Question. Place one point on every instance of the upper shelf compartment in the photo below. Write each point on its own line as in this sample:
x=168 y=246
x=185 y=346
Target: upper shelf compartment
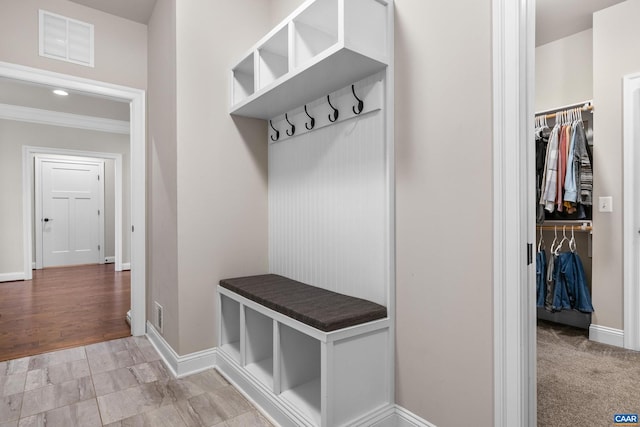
x=321 y=47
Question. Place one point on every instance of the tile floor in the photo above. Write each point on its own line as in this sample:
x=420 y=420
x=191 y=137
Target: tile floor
x=116 y=383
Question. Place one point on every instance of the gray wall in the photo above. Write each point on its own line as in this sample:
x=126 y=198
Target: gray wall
x=110 y=211
x=222 y=162
x=13 y=136
x=208 y=184
x=444 y=309
x=162 y=198
x=118 y=41
x=120 y=44
x=564 y=71
x=616 y=37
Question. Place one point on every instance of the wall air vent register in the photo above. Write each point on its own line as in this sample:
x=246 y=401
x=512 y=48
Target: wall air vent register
x=66 y=39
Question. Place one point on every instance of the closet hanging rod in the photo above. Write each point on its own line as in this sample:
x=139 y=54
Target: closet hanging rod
x=584 y=106
x=566 y=227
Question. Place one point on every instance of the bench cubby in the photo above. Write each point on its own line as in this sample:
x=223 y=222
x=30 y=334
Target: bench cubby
x=230 y=327
x=299 y=374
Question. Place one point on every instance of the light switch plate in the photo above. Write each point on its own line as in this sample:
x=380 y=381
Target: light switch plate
x=605 y=204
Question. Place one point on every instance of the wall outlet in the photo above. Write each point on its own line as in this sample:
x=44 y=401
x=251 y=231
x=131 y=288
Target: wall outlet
x=159 y=317
x=605 y=204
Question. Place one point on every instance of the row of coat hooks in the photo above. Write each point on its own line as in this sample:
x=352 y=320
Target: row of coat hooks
x=333 y=116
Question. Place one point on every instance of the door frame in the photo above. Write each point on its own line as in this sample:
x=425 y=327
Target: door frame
x=137 y=135
x=35 y=157
x=631 y=211
x=514 y=316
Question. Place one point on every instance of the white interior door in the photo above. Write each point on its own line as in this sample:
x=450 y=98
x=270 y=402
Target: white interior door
x=71 y=212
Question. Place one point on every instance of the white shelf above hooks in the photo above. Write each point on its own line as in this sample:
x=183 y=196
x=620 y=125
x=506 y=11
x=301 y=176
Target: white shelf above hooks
x=321 y=47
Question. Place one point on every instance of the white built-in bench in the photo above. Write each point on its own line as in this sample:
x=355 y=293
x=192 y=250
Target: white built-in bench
x=306 y=355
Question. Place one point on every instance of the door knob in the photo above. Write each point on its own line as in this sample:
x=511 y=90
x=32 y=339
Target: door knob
x=47 y=219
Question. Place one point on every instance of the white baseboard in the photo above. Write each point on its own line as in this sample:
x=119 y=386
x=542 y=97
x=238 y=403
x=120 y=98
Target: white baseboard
x=401 y=417
x=606 y=335
x=10 y=277
x=33 y=265
x=109 y=259
x=181 y=366
x=126 y=266
x=258 y=394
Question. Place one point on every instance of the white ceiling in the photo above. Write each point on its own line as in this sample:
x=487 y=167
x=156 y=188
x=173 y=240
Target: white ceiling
x=135 y=10
x=556 y=19
x=25 y=94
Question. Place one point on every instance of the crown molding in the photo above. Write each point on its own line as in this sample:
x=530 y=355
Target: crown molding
x=56 y=118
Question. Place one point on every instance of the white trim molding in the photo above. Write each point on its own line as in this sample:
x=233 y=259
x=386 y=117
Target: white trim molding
x=631 y=211
x=401 y=417
x=275 y=411
x=181 y=366
x=109 y=259
x=513 y=213
x=56 y=118
x=607 y=335
x=11 y=277
x=125 y=266
x=29 y=153
x=136 y=99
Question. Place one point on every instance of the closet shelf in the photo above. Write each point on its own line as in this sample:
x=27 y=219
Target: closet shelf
x=321 y=47
x=559 y=228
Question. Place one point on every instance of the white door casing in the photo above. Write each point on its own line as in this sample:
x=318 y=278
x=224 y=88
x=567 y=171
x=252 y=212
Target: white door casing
x=136 y=99
x=631 y=213
x=69 y=217
x=514 y=315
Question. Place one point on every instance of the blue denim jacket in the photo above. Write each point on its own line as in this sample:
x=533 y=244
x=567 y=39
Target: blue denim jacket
x=571 y=289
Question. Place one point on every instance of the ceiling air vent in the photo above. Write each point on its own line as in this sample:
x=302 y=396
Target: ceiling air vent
x=66 y=39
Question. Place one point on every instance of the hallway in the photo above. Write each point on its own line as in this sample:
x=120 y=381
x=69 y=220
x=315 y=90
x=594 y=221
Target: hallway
x=63 y=307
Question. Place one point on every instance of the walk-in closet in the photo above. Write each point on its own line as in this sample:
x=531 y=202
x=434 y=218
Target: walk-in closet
x=564 y=214
x=583 y=54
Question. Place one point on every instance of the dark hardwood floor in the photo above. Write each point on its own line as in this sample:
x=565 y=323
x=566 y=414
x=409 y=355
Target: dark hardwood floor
x=63 y=307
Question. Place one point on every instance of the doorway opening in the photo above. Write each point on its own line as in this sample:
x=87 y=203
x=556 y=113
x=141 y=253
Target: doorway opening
x=136 y=100
x=112 y=186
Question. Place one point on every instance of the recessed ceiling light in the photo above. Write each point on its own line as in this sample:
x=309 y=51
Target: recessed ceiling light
x=61 y=92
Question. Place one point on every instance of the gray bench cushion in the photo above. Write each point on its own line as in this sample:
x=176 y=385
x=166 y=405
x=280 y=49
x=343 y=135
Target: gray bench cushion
x=317 y=307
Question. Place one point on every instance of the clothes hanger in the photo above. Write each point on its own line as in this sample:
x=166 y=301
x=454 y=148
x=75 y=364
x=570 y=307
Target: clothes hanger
x=540 y=241
x=564 y=238
x=555 y=239
x=572 y=242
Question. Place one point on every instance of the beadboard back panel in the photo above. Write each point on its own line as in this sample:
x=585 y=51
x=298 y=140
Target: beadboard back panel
x=328 y=207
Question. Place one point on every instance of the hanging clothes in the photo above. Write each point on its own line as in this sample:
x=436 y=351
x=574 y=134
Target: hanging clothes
x=550 y=180
x=541 y=276
x=561 y=283
x=584 y=167
x=571 y=291
x=542 y=139
x=565 y=180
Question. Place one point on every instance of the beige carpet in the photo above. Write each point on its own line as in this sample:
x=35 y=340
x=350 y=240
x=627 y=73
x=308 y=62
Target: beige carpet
x=583 y=383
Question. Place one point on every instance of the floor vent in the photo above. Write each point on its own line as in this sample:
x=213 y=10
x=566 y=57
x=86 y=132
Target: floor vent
x=159 y=317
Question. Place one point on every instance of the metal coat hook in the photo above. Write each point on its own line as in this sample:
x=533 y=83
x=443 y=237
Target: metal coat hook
x=276 y=131
x=360 y=102
x=309 y=126
x=335 y=111
x=293 y=128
